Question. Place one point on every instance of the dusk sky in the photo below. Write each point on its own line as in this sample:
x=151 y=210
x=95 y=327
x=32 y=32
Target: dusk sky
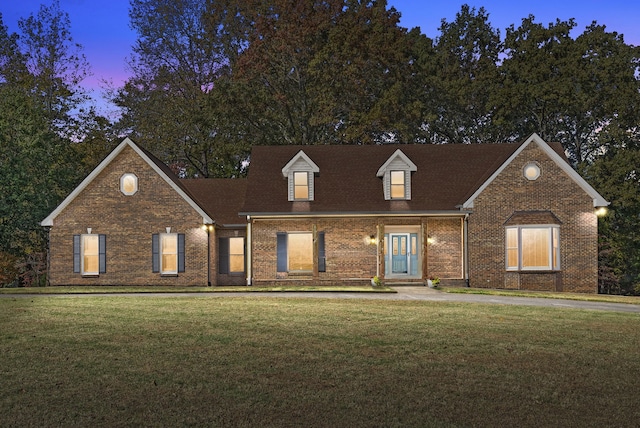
x=102 y=26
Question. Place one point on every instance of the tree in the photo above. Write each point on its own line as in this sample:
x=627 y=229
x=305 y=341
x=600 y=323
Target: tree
x=365 y=77
x=172 y=104
x=37 y=170
x=55 y=64
x=325 y=72
x=617 y=176
x=38 y=167
x=567 y=90
x=464 y=76
x=12 y=63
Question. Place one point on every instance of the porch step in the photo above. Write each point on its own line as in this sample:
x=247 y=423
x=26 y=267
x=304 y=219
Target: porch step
x=399 y=283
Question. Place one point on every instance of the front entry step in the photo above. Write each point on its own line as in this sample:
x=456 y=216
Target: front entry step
x=412 y=282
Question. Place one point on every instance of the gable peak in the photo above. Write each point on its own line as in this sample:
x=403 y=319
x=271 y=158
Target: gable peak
x=300 y=156
x=398 y=154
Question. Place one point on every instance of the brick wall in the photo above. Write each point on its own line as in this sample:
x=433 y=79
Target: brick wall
x=444 y=248
x=350 y=257
x=555 y=191
x=128 y=223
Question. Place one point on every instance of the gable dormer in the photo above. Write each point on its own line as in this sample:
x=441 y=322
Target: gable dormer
x=396 y=176
x=300 y=172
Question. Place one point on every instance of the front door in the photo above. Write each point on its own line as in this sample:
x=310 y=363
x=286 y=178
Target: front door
x=401 y=254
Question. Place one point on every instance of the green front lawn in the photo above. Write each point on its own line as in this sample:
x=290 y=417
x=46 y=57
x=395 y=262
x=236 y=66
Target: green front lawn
x=263 y=361
x=170 y=289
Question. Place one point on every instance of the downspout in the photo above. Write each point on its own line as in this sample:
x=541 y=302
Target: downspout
x=466 y=248
x=208 y=255
x=378 y=250
x=48 y=254
x=249 y=245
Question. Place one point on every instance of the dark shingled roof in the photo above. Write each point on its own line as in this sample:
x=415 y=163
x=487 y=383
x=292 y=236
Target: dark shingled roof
x=447 y=175
x=221 y=198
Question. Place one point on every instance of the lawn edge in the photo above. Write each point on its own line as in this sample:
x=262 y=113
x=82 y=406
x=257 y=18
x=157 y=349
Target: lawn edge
x=605 y=298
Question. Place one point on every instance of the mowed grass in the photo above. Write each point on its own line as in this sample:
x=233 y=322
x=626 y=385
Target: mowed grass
x=262 y=361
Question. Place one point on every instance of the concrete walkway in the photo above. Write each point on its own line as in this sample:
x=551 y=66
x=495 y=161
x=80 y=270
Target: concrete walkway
x=403 y=293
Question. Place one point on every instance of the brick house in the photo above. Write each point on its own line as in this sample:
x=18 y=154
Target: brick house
x=489 y=215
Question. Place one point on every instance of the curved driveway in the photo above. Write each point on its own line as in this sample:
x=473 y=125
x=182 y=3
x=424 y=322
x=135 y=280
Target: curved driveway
x=428 y=294
x=403 y=293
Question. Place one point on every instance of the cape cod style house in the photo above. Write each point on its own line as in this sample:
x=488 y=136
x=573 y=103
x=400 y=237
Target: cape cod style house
x=513 y=216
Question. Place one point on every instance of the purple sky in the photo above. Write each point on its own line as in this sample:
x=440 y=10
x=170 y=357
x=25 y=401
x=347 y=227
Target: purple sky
x=102 y=26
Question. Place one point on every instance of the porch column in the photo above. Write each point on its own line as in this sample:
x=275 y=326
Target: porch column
x=248 y=255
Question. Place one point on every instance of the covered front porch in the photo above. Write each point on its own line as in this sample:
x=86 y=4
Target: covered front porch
x=413 y=253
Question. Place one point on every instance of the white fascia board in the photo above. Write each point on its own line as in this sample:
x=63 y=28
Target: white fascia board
x=398 y=153
x=126 y=142
x=598 y=200
x=300 y=155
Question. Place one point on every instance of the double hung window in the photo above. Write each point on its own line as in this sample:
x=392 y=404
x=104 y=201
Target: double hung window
x=90 y=254
x=168 y=253
x=301 y=185
x=397 y=184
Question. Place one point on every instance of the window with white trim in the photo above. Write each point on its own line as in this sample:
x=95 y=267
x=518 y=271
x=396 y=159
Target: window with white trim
x=532 y=247
x=301 y=185
x=89 y=254
x=396 y=176
x=531 y=171
x=398 y=184
x=300 y=173
x=128 y=184
x=236 y=255
x=300 y=248
x=168 y=253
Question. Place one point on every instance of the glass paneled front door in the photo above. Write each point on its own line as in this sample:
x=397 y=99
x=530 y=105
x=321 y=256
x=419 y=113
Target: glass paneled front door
x=399 y=254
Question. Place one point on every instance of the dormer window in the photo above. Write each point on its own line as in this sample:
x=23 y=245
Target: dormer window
x=301 y=185
x=300 y=173
x=396 y=176
x=397 y=185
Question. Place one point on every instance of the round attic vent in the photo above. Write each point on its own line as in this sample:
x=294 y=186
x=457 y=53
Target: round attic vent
x=128 y=184
x=531 y=171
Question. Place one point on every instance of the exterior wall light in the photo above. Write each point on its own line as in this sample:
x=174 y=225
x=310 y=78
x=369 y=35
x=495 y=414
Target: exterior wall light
x=372 y=239
x=602 y=211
